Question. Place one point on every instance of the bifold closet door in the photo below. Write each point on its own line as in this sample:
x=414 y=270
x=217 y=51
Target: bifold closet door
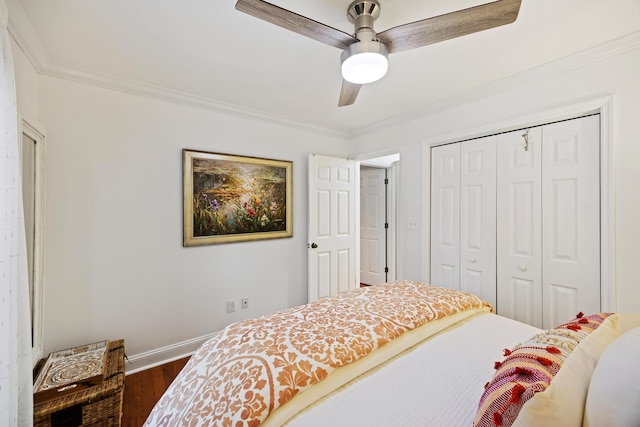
x=478 y=218
x=519 y=230
x=463 y=217
x=548 y=248
x=445 y=216
x=571 y=219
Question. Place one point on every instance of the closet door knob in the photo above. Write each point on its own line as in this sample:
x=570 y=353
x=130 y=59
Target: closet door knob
x=523 y=268
x=472 y=260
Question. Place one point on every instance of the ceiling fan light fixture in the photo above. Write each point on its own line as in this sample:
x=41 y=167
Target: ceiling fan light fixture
x=364 y=62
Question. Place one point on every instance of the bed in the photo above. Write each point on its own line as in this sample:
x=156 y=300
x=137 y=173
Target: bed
x=400 y=354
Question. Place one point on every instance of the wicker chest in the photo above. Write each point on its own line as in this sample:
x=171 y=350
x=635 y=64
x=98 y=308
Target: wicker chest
x=97 y=406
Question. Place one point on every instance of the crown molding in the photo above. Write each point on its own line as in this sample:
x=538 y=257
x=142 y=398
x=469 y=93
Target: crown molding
x=25 y=36
x=132 y=87
x=598 y=53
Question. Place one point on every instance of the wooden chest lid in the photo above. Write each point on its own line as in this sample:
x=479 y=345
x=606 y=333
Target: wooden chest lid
x=71 y=370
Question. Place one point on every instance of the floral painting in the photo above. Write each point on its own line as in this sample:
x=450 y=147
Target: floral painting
x=231 y=198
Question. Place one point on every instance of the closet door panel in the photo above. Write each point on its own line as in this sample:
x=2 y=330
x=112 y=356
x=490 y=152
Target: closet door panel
x=571 y=212
x=519 y=266
x=445 y=216
x=521 y=302
x=478 y=218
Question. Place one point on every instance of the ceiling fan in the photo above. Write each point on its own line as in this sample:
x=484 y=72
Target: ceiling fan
x=364 y=55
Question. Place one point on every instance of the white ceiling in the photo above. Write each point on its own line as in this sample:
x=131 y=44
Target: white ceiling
x=207 y=53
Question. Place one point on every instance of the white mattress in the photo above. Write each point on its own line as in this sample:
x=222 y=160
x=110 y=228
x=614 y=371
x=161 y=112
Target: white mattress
x=437 y=383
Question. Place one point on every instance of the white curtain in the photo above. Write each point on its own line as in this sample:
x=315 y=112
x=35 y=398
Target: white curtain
x=16 y=395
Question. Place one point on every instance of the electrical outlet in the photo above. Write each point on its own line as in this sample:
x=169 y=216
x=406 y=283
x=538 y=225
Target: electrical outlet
x=413 y=224
x=231 y=306
x=244 y=302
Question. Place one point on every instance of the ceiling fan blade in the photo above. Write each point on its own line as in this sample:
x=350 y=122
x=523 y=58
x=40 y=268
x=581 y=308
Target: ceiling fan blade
x=450 y=25
x=297 y=23
x=348 y=93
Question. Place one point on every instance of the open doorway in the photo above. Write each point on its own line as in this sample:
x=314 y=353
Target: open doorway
x=378 y=224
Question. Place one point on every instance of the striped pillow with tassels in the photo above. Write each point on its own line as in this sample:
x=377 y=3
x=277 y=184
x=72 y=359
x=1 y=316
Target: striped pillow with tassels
x=530 y=367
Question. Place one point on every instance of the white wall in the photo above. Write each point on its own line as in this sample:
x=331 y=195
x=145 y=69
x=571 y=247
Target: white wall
x=115 y=265
x=26 y=83
x=602 y=72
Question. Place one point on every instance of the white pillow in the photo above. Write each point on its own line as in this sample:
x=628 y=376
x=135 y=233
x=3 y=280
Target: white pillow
x=613 y=399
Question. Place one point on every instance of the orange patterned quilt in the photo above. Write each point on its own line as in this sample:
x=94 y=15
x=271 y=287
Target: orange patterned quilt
x=254 y=366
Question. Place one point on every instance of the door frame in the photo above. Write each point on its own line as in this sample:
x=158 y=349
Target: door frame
x=602 y=106
x=33 y=129
x=395 y=198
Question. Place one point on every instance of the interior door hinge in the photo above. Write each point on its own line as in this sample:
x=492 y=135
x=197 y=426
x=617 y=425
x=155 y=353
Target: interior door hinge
x=386 y=269
x=386 y=225
x=386 y=181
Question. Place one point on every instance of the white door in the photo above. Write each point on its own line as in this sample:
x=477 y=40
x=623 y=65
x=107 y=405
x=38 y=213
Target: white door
x=519 y=261
x=332 y=226
x=445 y=216
x=373 y=241
x=571 y=219
x=478 y=218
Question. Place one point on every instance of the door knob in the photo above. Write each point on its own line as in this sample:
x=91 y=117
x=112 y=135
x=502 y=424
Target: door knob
x=473 y=260
x=523 y=268
x=313 y=245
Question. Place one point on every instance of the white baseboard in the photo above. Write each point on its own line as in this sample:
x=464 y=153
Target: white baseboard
x=160 y=356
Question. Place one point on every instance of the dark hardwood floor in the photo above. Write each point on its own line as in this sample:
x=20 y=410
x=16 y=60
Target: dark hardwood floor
x=143 y=389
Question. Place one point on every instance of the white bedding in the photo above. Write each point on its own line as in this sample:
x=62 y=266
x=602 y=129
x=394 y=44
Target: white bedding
x=267 y=369
x=434 y=384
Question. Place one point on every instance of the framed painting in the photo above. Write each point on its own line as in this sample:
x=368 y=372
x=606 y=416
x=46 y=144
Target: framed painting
x=229 y=198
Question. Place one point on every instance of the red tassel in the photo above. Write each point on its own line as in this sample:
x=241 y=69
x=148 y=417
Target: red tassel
x=553 y=350
x=497 y=419
x=579 y=315
x=583 y=320
x=506 y=352
x=522 y=371
x=516 y=392
x=544 y=361
x=497 y=365
x=574 y=327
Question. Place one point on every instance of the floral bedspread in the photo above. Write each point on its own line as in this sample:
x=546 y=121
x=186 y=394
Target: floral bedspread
x=254 y=366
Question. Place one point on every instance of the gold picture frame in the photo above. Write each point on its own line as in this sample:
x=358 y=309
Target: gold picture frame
x=231 y=198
